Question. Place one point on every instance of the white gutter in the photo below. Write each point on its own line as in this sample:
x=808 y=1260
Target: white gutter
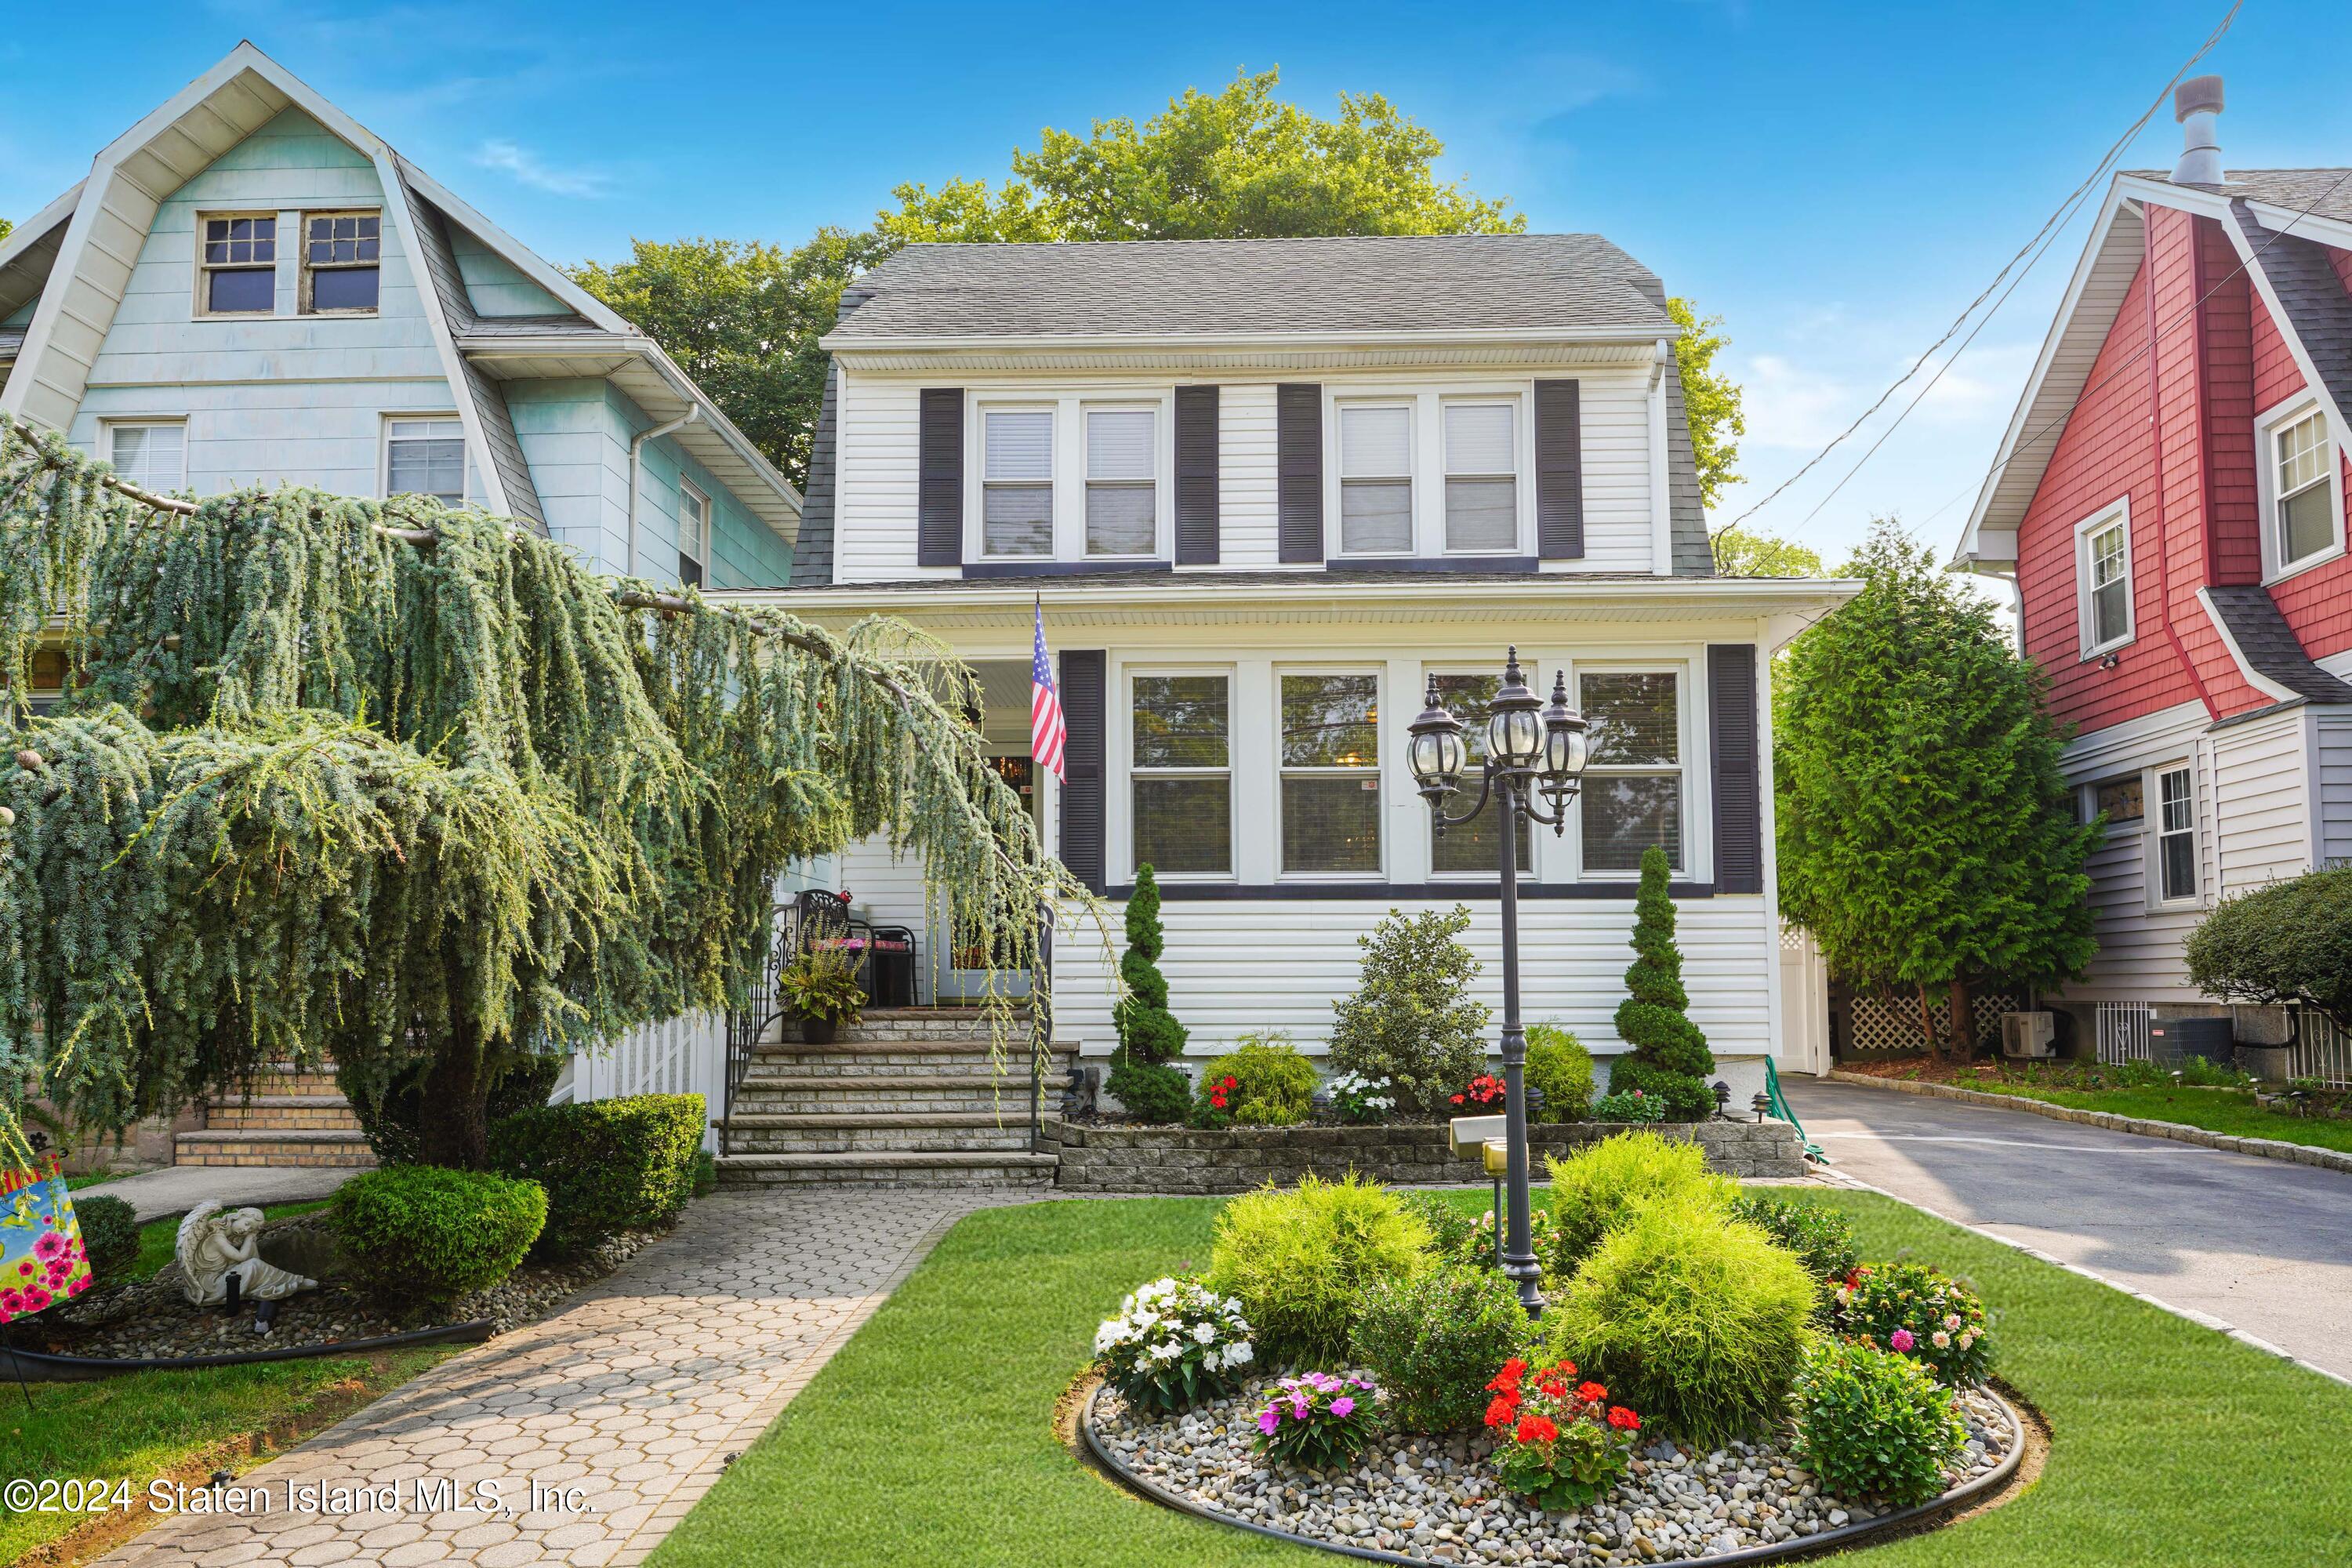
x=637 y=474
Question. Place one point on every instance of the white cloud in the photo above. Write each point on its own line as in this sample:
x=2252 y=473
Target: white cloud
x=528 y=168
x=1792 y=407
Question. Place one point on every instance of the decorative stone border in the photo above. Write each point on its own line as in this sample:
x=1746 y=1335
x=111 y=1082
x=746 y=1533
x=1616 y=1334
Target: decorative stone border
x=1183 y=1160
x=1846 y=1535
x=2179 y=1132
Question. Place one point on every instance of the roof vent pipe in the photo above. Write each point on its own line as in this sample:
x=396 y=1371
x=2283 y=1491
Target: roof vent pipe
x=2195 y=103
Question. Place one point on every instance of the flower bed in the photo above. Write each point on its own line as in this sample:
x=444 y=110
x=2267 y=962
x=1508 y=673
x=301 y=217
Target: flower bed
x=1116 y=1159
x=1439 y=1500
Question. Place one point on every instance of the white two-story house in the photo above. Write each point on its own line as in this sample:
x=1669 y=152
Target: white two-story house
x=1264 y=490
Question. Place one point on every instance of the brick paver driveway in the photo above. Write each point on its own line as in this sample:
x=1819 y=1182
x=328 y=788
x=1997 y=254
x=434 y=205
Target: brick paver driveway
x=626 y=1404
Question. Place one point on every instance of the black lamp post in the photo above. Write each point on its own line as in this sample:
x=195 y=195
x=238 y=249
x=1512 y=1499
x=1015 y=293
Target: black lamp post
x=1531 y=750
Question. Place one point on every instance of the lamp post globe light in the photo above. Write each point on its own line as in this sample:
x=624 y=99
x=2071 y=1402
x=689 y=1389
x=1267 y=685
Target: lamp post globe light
x=1532 y=749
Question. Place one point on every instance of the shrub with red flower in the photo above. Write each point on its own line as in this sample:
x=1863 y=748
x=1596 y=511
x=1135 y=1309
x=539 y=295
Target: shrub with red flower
x=1558 y=1442
x=1485 y=1092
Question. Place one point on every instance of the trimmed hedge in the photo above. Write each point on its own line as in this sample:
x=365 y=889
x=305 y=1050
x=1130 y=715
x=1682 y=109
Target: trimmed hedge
x=420 y=1237
x=1560 y=1068
x=109 y=1234
x=608 y=1165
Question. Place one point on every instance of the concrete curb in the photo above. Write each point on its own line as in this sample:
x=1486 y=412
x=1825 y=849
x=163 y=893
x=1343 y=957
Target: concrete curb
x=2179 y=1132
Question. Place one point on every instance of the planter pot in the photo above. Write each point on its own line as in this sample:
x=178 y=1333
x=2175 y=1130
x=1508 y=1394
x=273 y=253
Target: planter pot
x=819 y=1031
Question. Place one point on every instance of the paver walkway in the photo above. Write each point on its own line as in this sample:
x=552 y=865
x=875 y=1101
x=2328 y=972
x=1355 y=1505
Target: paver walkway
x=636 y=1396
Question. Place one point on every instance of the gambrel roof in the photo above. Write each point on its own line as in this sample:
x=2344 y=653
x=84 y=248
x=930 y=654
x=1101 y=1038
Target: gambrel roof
x=87 y=241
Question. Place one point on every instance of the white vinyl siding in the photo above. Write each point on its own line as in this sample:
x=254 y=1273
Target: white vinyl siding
x=1482 y=492
x=154 y=457
x=1375 y=478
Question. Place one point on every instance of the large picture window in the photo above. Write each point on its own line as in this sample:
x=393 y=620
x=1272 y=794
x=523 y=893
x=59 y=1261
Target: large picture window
x=1331 y=797
x=1632 y=794
x=1375 y=478
x=2103 y=566
x=1181 y=778
x=1016 y=495
x=1482 y=487
x=1469 y=849
x=2176 y=835
x=1122 y=503
x=2303 y=494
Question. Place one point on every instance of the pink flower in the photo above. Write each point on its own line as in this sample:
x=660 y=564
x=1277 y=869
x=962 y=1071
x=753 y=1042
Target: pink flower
x=35 y=1299
x=81 y=1284
x=1343 y=1405
x=48 y=1246
x=12 y=1300
x=1900 y=1339
x=1268 y=1419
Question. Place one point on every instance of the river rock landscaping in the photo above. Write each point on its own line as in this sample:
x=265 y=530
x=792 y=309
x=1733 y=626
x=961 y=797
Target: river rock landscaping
x=1439 y=1500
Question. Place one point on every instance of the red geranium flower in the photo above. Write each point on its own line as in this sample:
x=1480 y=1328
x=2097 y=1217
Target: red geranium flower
x=1592 y=1392
x=1508 y=1378
x=1623 y=1419
x=1457 y=1099
x=1501 y=1409
x=1536 y=1429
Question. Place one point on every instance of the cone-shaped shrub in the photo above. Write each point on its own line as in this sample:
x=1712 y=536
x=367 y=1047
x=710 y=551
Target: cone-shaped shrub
x=1668 y=1056
x=1148 y=1031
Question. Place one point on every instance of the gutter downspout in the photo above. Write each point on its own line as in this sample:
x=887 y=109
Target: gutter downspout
x=636 y=474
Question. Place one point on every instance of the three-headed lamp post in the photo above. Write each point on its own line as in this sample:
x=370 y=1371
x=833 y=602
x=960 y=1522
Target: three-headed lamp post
x=1532 y=749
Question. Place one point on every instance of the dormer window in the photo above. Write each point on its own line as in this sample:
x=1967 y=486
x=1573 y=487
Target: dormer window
x=1016 y=495
x=342 y=254
x=236 y=264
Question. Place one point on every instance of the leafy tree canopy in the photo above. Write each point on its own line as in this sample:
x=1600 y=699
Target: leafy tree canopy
x=1710 y=401
x=1746 y=553
x=5 y=228
x=1926 y=834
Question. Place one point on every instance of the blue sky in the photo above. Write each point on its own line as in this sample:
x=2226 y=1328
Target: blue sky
x=1836 y=180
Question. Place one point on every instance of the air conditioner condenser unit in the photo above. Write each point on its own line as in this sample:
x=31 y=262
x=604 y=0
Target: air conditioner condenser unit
x=2028 y=1035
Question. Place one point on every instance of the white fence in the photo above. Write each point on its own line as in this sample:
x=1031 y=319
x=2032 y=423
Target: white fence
x=684 y=1055
x=2123 y=1032
x=2322 y=1051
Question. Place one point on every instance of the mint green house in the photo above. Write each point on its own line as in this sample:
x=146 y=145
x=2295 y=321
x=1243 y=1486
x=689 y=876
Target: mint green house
x=250 y=288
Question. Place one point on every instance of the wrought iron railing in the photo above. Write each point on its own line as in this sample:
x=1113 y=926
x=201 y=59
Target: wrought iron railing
x=748 y=1022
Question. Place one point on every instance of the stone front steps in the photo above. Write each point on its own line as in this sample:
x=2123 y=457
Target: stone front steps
x=291 y=1118
x=298 y=1148
x=907 y=1097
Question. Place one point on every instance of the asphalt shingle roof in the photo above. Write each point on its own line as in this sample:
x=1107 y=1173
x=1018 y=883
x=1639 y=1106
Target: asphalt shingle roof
x=2326 y=192
x=1506 y=283
x=2270 y=645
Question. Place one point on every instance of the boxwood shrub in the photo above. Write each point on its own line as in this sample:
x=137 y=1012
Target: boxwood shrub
x=1432 y=1343
x=608 y=1165
x=1301 y=1258
x=1873 y=1423
x=1598 y=1188
x=109 y=1234
x=1271 y=1085
x=1561 y=1069
x=419 y=1236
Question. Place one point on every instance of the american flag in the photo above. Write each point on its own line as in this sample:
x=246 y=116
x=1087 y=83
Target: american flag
x=1047 y=733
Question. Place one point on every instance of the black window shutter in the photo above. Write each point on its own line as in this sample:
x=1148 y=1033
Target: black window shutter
x=1738 y=781
x=1196 y=476
x=1082 y=759
x=1298 y=460
x=1559 y=471
x=939 y=504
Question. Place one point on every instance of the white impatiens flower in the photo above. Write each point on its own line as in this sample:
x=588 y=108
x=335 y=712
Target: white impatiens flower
x=1238 y=1354
x=1168 y=1351
x=1205 y=1332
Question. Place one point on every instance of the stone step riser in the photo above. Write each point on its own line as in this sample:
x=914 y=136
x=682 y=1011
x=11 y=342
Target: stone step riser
x=771 y=1099
x=280 y=1119
x=878 y=1180
x=340 y=1156
x=311 y=1085
x=1011 y=1140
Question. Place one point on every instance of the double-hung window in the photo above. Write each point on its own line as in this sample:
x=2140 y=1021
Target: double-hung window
x=693 y=535
x=2302 y=494
x=2103 y=570
x=1122 y=501
x=1181 y=778
x=1632 y=794
x=236 y=264
x=1482 y=485
x=154 y=457
x=2176 y=835
x=342 y=257
x=1469 y=849
x=1375 y=478
x=1016 y=491
x=1330 y=792
x=426 y=457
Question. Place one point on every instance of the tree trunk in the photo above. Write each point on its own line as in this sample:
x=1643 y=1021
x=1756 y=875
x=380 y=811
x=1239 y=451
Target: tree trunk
x=453 y=1111
x=1964 y=1021
x=1928 y=1024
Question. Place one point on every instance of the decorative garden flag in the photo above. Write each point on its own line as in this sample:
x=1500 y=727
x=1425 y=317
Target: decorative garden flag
x=42 y=1260
x=1047 y=733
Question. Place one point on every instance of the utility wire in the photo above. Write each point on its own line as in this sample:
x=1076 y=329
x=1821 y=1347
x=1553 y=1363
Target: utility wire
x=2039 y=241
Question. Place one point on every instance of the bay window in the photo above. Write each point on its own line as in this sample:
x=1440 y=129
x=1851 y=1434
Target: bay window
x=1182 y=774
x=1375 y=478
x=1330 y=798
x=1482 y=489
x=1469 y=849
x=1122 y=500
x=2303 y=493
x=1632 y=794
x=1016 y=506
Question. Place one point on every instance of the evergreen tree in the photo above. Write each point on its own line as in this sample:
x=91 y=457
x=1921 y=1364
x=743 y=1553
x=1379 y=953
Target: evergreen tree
x=1150 y=1037
x=1668 y=1056
x=1926 y=838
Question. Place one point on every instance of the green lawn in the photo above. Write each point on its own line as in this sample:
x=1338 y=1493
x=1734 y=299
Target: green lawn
x=2228 y=1111
x=928 y=1438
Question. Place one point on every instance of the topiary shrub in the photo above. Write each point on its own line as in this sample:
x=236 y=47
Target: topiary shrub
x=419 y=1236
x=393 y=1114
x=1668 y=1056
x=1698 y=1321
x=1262 y=1083
x=1301 y=1258
x=1872 y=1424
x=1822 y=1239
x=1597 y=1189
x=2288 y=941
x=1431 y=1343
x=1412 y=1019
x=1148 y=1031
x=110 y=1235
x=1152 y=1091
x=1561 y=1069
x=608 y=1165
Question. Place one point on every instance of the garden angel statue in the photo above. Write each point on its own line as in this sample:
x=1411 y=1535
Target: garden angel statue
x=218 y=1244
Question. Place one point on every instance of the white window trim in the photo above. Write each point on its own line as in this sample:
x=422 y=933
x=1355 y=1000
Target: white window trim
x=302 y=305
x=1518 y=475
x=2268 y=427
x=2153 y=835
x=2098 y=522
x=1069 y=468
x=1226 y=672
x=199 y=308
x=383 y=448
x=700 y=556
x=1698 y=825
x=1428 y=400
x=1378 y=773
x=1471 y=780
x=109 y=424
x=1161 y=509
x=1336 y=458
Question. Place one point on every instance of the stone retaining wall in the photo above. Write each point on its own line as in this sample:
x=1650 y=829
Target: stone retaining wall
x=1182 y=1160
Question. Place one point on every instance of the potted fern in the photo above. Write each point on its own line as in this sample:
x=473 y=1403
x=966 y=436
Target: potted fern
x=821 y=988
